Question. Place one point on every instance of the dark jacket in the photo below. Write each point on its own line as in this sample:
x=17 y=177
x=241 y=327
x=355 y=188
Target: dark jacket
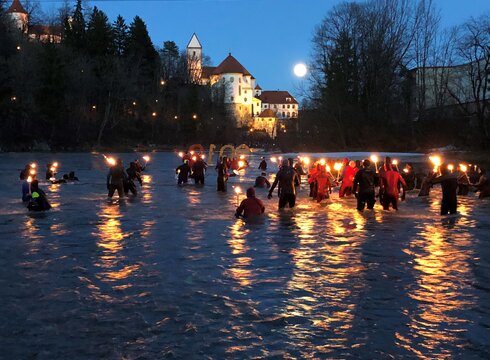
x=287 y=178
x=365 y=181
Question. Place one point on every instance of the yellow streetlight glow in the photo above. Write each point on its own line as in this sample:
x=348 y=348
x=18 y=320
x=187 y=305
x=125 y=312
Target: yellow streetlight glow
x=154 y=114
x=194 y=116
x=18 y=47
x=162 y=82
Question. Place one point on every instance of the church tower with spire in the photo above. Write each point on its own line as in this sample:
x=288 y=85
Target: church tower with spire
x=19 y=15
x=194 y=59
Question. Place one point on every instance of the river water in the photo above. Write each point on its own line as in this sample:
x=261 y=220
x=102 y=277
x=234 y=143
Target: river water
x=171 y=273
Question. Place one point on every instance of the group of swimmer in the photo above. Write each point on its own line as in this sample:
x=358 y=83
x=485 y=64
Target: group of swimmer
x=33 y=196
x=361 y=179
x=118 y=179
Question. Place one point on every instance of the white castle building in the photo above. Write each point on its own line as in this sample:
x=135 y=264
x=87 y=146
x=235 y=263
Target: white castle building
x=252 y=107
x=44 y=33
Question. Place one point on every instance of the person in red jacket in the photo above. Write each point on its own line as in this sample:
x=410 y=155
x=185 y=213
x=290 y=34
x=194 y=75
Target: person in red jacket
x=348 y=180
x=389 y=185
x=323 y=184
x=251 y=206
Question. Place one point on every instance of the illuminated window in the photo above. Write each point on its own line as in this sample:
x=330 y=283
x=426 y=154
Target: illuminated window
x=283 y=106
x=288 y=106
x=245 y=100
x=232 y=98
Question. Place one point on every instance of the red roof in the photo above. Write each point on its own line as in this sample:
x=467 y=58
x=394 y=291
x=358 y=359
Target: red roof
x=267 y=113
x=16 y=7
x=207 y=71
x=277 y=97
x=230 y=65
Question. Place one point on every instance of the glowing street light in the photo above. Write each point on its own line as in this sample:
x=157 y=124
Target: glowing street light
x=194 y=116
x=154 y=114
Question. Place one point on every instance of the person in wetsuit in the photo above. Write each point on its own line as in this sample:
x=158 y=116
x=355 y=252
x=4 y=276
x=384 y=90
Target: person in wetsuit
x=408 y=175
x=115 y=179
x=286 y=178
x=24 y=173
x=263 y=165
x=183 y=172
x=38 y=200
x=198 y=171
x=251 y=206
x=50 y=174
x=364 y=186
x=449 y=185
x=262 y=182
x=483 y=184
x=390 y=180
x=222 y=169
x=133 y=174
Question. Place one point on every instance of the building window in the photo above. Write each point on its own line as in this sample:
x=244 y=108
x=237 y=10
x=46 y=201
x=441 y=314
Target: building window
x=232 y=98
x=294 y=114
x=283 y=106
x=288 y=106
x=239 y=79
x=275 y=106
x=245 y=100
x=283 y=114
x=289 y=114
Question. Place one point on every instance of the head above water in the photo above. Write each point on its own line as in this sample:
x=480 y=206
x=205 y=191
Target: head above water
x=285 y=162
x=352 y=164
x=263 y=173
x=366 y=163
x=250 y=192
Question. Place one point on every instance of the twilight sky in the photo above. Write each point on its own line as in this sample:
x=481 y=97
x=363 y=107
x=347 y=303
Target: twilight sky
x=267 y=36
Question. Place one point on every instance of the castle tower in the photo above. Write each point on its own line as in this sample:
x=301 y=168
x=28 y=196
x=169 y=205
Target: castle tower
x=19 y=15
x=194 y=59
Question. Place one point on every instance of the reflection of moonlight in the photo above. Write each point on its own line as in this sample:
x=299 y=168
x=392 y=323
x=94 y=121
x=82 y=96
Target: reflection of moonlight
x=300 y=70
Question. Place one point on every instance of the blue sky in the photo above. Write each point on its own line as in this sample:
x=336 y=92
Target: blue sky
x=267 y=36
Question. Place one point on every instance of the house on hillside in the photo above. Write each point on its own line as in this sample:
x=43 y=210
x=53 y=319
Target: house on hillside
x=43 y=33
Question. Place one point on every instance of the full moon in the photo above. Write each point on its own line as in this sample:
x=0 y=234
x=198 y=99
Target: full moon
x=300 y=70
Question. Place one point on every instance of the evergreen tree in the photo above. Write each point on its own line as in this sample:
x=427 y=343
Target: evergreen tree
x=75 y=29
x=170 y=59
x=100 y=39
x=120 y=34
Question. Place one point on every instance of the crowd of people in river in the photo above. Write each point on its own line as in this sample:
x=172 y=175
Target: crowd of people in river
x=363 y=180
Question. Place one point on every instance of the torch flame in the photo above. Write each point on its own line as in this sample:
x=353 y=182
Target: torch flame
x=450 y=167
x=32 y=172
x=328 y=168
x=181 y=154
x=29 y=179
x=238 y=190
x=463 y=167
x=306 y=160
x=273 y=159
x=52 y=168
x=374 y=158
x=146 y=158
x=33 y=165
x=322 y=162
x=337 y=166
x=241 y=163
x=394 y=162
x=110 y=160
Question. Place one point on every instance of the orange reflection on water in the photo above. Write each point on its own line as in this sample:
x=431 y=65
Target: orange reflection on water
x=240 y=268
x=443 y=270
x=147 y=188
x=111 y=243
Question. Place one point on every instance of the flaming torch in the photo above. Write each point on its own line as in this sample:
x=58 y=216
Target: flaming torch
x=375 y=159
x=181 y=154
x=337 y=166
x=450 y=167
x=146 y=158
x=463 y=168
x=110 y=160
x=436 y=160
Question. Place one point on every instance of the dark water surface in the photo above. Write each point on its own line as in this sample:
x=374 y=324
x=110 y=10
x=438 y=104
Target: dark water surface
x=172 y=273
